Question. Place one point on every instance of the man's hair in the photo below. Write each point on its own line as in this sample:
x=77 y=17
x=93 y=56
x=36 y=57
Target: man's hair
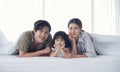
x=38 y=25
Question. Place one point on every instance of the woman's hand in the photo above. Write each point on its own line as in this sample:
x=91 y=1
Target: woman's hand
x=71 y=38
x=74 y=49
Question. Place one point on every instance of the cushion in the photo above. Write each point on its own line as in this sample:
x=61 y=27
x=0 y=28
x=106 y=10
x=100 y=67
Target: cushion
x=106 y=44
x=3 y=39
x=7 y=47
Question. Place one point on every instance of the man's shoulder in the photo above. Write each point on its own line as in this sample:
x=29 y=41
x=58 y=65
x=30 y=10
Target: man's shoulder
x=27 y=34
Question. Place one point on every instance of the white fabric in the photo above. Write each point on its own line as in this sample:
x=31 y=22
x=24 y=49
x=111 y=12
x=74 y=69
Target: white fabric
x=3 y=39
x=106 y=44
x=8 y=48
x=12 y=63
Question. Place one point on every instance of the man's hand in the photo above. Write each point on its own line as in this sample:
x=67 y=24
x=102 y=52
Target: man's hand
x=46 y=50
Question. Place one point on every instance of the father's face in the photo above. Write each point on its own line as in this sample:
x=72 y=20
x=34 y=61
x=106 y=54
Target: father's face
x=42 y=35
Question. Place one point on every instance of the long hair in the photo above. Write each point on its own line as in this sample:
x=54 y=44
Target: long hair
x=75 y=21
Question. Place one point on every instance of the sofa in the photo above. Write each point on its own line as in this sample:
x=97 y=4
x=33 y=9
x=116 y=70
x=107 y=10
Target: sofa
x=107 y=60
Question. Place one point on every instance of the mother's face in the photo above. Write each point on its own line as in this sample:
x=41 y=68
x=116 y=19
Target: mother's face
x=74 y=30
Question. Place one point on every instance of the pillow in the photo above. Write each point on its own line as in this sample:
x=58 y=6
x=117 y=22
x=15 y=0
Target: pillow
x=8 y=48
x=3 y=39
x=106 y=44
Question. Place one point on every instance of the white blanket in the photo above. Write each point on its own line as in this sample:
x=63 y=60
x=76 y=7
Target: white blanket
x=12 y=63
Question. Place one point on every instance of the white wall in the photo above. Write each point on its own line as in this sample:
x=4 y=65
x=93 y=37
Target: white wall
x=17 y=16
x=104 y=17
x=117 y=9
x=119 y=14
x=97 y=16
x=59 y=12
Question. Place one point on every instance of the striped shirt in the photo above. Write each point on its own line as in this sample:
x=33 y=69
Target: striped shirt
x=85 y=45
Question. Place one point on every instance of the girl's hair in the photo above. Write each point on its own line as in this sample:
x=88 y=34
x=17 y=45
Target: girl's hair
x=38 y=25
x=75 y=21
x=63 y=35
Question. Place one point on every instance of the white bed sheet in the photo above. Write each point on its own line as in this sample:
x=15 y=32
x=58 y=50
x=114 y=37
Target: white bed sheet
x=13 y=63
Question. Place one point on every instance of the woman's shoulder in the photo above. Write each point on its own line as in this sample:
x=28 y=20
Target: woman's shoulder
x=85 y=34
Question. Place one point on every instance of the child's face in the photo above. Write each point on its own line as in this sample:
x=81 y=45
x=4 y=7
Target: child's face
x=59 y=42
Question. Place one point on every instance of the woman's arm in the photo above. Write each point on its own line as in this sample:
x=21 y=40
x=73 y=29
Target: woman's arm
x=90 y=51
x=79 y=56
x=74 y=49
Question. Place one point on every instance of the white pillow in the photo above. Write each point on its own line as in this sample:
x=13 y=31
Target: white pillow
x=3 y=39
x=8 y=48
x=106 y=44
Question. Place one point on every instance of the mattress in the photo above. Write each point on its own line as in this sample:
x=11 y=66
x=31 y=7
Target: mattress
x=13 y=63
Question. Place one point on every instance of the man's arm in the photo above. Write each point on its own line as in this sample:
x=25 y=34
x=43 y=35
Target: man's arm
x=34 y=54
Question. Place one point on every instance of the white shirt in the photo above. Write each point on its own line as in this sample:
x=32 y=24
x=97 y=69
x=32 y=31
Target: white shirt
x=85 y=45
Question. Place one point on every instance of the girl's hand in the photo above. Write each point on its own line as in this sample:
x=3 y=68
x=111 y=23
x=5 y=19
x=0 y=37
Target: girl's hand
x=62 y=46
x=57 y=47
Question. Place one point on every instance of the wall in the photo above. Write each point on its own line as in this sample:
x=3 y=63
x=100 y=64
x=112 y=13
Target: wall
x=17 y=16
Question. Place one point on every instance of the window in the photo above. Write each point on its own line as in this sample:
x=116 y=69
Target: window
x=17 y=16
x=97 y=16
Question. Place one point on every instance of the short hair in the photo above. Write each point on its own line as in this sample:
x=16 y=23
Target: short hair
x=64 y=36
x=38 y=25
x=76 y=21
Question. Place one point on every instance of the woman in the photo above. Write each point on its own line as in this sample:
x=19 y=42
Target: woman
x=82 y=45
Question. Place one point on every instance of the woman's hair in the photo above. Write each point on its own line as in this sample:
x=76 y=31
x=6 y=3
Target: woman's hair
x=63 y=35
x=75 y=21
x=38 y=25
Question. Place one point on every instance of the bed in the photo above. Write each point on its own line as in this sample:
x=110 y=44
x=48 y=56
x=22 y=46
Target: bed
x=102 y=63
x=107 y=60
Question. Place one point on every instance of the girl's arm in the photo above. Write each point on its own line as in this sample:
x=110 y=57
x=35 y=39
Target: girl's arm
x=54 y=53
x=66 y=53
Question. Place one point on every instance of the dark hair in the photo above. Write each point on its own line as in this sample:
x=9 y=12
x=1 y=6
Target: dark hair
x=38 y=25
x=63 y=35
x=76 y=21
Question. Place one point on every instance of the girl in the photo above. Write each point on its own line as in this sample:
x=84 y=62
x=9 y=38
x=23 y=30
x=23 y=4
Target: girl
x=61 y=45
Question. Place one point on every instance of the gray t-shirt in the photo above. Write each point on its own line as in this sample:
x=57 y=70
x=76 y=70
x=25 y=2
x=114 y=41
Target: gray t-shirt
x=26 y=42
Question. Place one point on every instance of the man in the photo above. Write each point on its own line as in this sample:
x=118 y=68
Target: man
x=36 y=42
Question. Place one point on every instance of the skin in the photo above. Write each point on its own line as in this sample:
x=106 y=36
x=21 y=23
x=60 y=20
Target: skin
x=74 y=32
x=40 y=36
x=59 y=45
